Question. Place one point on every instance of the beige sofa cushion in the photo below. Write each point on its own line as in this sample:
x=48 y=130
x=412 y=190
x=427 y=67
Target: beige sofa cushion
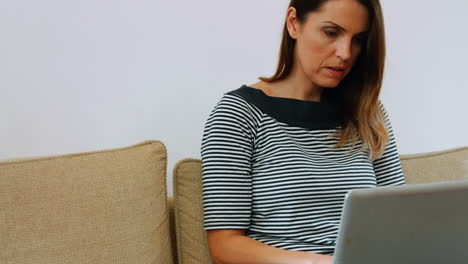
x=192 y=246
x=436 y=166
x=98 y=207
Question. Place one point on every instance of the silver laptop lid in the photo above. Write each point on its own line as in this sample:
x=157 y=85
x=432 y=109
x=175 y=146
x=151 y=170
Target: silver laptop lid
x=419 y=223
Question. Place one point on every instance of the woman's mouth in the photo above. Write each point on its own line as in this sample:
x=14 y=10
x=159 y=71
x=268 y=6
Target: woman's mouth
x=336 y=72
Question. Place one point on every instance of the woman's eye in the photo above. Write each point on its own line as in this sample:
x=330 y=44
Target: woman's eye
x=359 y=39
x=330 y=33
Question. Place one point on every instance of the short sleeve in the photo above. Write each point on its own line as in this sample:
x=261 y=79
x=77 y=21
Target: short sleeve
x=226 y=153
x=387 y=168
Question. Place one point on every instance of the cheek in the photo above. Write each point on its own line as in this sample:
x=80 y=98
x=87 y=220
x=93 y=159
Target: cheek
x=312 y=52
x=356 y=50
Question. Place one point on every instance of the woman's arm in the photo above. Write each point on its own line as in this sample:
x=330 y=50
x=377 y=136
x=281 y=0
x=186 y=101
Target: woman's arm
x=233 y=247
x=387 y=168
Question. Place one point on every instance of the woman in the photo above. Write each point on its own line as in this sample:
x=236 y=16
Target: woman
x=280 y=155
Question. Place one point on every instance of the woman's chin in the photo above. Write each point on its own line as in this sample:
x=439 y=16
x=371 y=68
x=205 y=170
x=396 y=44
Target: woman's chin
x=330 y=84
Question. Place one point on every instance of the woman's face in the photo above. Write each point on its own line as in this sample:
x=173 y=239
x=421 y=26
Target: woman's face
x=329 y=42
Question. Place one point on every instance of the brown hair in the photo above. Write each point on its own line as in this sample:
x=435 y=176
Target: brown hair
x=358 y=93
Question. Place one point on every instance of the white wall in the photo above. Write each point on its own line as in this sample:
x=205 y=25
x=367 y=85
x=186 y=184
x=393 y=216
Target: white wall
x=426 y=88
x=87 y=75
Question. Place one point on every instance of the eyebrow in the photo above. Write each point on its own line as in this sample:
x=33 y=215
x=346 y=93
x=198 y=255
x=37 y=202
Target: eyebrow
x=342 y=28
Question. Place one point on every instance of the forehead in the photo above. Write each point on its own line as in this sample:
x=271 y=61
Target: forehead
x=349 y=14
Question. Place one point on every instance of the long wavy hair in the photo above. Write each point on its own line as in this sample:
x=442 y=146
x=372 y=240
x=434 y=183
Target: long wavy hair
x=358 y=93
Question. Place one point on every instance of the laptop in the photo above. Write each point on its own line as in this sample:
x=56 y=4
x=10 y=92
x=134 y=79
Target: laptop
x=408 y=224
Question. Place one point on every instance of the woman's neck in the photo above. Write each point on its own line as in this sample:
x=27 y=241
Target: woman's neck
x=299 y=87
x=295 y=86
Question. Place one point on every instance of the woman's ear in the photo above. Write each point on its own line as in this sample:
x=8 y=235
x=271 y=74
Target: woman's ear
x=292 y=22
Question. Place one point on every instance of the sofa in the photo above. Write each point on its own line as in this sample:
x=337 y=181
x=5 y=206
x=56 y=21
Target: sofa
x=112 y=206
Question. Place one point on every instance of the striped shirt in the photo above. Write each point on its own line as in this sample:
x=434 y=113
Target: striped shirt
x=269 y=169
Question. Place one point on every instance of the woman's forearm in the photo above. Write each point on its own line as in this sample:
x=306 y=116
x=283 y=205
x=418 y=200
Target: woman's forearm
x=240 y=249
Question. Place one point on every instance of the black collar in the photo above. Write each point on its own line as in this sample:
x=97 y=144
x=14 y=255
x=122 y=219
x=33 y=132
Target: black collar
x=294 y=112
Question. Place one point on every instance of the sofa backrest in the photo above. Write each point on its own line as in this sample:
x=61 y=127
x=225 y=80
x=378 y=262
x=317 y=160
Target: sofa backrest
x=98 y=207
x=436 y=166
x=192 y=244
x=191 y=238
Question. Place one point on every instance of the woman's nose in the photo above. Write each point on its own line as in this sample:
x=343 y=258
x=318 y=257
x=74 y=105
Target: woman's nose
x=343 y=49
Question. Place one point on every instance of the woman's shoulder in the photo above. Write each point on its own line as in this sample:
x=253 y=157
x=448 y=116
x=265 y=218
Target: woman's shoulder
x=256 y=95
x=238 y=103
x=232 y=113
x=245 y=96
x=238 y=97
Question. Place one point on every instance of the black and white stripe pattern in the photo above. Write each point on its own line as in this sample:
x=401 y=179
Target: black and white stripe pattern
x=283 y=184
